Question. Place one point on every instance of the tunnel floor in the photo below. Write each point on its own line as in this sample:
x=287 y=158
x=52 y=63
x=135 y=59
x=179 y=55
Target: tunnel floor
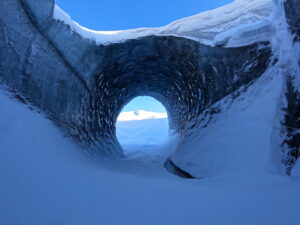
x=150 y=140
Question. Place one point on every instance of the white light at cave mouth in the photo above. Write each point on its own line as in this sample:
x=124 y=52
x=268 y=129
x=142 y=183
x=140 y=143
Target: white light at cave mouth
x=142 y=125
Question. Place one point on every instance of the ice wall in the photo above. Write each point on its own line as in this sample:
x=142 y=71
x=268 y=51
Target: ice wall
x=291 y=109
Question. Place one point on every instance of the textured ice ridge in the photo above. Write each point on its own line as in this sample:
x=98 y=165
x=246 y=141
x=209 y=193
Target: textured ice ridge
x=241 y=23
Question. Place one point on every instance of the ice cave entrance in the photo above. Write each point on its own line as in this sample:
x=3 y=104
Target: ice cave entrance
x=142 y=125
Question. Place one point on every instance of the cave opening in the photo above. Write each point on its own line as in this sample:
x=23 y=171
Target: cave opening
x=143 y=126
x=181 y=74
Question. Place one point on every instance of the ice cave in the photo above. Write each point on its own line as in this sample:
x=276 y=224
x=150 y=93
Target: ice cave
x=229 y=79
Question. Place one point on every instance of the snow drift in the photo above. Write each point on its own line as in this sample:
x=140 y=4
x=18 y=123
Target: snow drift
x=46 y=179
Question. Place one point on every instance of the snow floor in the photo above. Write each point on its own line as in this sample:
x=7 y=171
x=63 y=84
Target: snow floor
x=148 y=138
x=47 y=180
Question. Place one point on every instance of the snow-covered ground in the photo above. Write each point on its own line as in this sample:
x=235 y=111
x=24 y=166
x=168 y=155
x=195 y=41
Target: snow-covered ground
x=140 y=115
x=46 y=179
x=146 y=136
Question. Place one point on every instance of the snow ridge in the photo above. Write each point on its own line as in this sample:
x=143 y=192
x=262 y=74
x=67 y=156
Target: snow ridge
x=240 y=23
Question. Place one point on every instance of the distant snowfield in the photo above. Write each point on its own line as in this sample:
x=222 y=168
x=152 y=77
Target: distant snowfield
x=46 y=179
x=144 y=131
x=141 y=115
x=147 y=133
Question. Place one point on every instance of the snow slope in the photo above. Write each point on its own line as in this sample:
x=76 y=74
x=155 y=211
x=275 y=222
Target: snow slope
x=239 y=137
x=240 y=23
x=144 y=132
x=46 y=179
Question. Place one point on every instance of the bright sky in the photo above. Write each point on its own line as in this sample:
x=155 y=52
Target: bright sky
x=126 y=14
x=144 y=103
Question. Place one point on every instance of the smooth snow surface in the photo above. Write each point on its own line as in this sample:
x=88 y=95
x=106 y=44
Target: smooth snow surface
x=145 y=132
x=140 y=115
x=239 y=23
x=148 y=136
x=45 y=179
x=296 y=170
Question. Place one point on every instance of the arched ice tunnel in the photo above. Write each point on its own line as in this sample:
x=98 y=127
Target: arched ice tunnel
x=185 y=76
x=82 y=86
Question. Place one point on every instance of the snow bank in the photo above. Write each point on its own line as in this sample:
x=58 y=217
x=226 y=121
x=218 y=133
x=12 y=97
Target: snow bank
x=45 y=180
x=296 y=170
x=240 y=23
x=239 y=137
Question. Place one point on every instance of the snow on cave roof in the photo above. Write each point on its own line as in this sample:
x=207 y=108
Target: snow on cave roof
x=239 y=23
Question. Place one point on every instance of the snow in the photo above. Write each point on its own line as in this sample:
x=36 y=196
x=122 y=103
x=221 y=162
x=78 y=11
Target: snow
x=243 y=21
x=100 y=36
x=296 y=170
x=146 y=136
x=140 y=115
x=146 y=133
x=288 y=56
x=239 y=137
x=46 y=179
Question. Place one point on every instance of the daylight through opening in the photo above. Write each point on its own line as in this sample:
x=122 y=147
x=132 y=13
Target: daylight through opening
x=142 y=125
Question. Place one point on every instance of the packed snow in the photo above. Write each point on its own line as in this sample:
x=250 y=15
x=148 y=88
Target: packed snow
x=150 y=133
x=141 y=115
x=46 y=179
x=240 y=23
